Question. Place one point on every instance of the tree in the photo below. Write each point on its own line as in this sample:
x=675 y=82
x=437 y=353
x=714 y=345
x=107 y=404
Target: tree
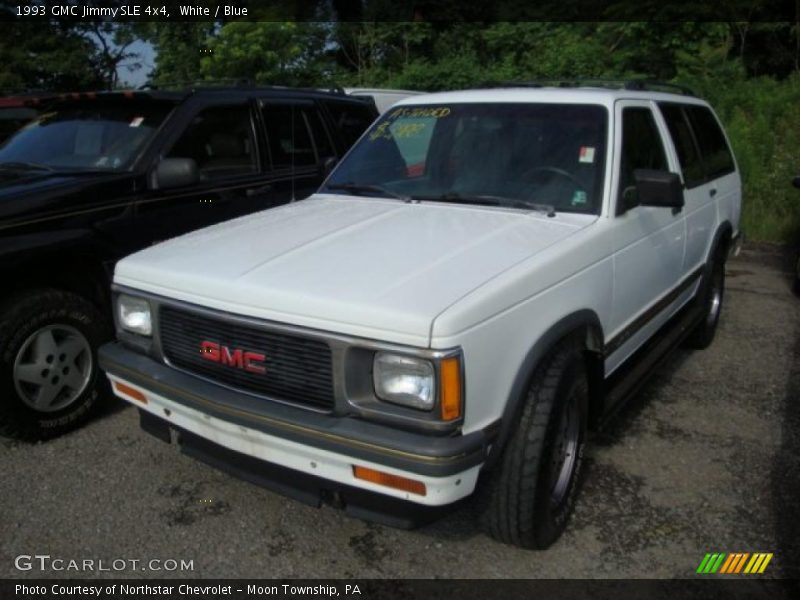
x=47 y=55
x=112 y=40
x=179 y=49
x=277 y=53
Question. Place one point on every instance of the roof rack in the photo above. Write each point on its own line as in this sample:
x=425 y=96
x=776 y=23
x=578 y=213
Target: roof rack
x=231 y=84
x=207 y=83
x=623 y=84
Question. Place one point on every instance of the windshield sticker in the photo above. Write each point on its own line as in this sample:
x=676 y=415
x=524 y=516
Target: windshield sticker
x=136 y=121
x=586 y=154
x=579 y=198
x=404 y=130
x=420 y=111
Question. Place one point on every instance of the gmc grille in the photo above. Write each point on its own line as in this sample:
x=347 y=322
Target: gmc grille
x=298 y=370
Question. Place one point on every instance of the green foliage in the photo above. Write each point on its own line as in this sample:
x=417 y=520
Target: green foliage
x=268 y=52
x=47 y=55
x=762 y=117
x=179 y=48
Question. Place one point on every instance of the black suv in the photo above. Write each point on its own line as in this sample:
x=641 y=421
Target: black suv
x=97 y=176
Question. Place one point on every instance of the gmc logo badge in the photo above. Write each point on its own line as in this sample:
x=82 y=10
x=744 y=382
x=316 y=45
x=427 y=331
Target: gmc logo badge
x=237 y=358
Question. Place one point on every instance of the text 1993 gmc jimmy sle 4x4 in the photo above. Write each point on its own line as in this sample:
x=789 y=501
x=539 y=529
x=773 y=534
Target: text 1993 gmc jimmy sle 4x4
x=485 y=276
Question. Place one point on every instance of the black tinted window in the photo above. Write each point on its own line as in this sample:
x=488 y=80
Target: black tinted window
x=220 y=140
x=351 y=119
x=716 y=155
x=641 y=148
x=296 y=135
x=688 y=156
x=90 y=135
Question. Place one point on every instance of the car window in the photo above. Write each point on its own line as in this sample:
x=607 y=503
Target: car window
x=506 y=154
x=717 y=156
x=351 y=119
x=92 y=135
x=682 y=137
x=641 y=149
x=220 y=140
x=296 y=134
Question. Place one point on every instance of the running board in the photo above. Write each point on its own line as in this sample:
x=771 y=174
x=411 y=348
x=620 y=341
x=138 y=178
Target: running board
x=629 y=378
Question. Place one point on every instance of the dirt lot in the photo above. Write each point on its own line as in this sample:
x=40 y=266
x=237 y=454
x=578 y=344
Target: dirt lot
x=707 y=459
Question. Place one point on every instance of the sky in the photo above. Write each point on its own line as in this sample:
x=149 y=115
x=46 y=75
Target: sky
x=147 y=57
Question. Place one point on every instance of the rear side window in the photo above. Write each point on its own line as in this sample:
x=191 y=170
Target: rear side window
x=351 y=119
x=713 y=147
x=683 y=139
x=641 y=149
x=297 y=137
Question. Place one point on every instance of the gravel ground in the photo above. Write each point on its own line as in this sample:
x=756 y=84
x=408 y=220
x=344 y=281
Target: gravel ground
x=706 y=459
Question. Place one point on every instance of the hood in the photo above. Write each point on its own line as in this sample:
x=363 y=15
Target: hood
x=362 y=266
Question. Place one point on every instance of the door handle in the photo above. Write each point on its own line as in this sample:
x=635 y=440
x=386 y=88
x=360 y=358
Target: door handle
x=712 y=192
x=250 y=192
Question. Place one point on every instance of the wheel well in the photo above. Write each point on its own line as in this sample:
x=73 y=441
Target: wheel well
x=723 y=239
x=586 y=328
x=80 y=275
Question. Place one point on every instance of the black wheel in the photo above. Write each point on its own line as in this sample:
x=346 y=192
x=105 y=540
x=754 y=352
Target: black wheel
x=49 y=380
x=530 y=494
x=712 y=294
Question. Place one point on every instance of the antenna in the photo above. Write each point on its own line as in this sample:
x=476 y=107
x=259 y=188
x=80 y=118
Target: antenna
x=293 y=150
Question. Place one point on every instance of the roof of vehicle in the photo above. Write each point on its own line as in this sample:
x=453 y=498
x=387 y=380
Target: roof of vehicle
x=179 y=94
x=358 y=90
x=555 y=94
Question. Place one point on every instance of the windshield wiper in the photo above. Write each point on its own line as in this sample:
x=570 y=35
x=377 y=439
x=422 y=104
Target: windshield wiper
x=357 y=188
x=27 y=166
x=490 y=200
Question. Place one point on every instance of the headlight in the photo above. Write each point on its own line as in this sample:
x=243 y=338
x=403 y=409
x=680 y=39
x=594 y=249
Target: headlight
x=404 y=380
x=134 y=315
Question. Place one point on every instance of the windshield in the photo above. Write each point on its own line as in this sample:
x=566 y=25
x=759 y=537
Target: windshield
x=514 y=155
x=84 y=137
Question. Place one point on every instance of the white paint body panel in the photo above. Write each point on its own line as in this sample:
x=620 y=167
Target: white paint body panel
x=359 y=266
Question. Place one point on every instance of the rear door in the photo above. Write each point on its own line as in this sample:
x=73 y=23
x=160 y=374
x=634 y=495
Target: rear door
x=298 y=144
x=709 y=174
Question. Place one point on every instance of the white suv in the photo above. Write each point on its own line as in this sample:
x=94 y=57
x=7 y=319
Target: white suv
x=483 y=277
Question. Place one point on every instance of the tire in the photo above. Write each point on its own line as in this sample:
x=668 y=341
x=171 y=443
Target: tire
x=531 y=491
x=712 y=295
x=49 y=379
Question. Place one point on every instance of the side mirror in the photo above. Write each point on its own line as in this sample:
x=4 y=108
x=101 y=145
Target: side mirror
x=796 y=182
x=658 y=188
x=175 y=172
x=326 y=165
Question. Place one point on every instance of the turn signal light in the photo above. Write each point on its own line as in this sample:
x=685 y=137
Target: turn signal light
x=450 y=388
x=389 y=480
x=129 y=391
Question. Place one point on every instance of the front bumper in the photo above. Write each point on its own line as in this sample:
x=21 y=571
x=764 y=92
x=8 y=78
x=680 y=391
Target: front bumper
x=319 y=445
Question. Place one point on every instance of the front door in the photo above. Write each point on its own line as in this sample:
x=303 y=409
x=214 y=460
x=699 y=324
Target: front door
x=648 y=241
x=222 y=140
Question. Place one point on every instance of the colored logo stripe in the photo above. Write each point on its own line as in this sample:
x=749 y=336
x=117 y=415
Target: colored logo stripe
x=758 y=563
x=734 y=563
x=720 y=562
x=711 y=563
